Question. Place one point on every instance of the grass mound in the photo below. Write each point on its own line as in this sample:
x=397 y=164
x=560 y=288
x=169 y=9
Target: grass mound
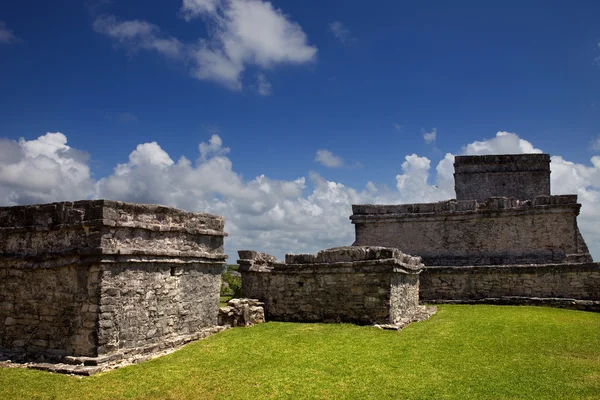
x=463 y=352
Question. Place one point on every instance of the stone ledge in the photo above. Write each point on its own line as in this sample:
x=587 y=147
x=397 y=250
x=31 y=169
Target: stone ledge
x=572 y=304
x=362 y=212
x=58 y=261
x=64 y=215
x=334 y=260
x=422 y=313
x=522 y=268
x=87 y=366
x=509 y=162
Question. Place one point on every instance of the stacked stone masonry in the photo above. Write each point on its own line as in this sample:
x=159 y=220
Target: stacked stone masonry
x=500 y=231
x=504 y=238
x=101 y=280
x=522 y=176
x=363 y=285
x=568 y=281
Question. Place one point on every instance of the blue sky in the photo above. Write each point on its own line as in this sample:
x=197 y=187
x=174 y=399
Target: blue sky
x=279 y=81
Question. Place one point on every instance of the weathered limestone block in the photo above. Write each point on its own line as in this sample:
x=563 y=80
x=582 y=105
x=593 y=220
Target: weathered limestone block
x=500 y=231
x=242 y=312
x=365 y=285
x=522 y=176
x=106 y=279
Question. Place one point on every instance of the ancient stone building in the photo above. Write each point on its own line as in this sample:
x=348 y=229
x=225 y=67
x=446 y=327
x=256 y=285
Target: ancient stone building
x=519 y=176
x=466 y=232
x=364 y=285
x=93 y=281
x=504 y=236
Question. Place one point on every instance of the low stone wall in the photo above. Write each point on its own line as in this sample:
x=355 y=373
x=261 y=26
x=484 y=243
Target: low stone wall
x=242 y=312
x=499 y=231
x=364 y=285
x=103 y=279
x=550 y=281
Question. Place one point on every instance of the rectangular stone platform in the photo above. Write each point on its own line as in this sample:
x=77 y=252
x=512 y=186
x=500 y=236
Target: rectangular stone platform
x=364 y=285
x=103 y=279
x=499 y=231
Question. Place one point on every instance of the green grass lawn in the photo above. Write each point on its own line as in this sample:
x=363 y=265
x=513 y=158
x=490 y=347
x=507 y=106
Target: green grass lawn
x=463 y=352
x=223 y=300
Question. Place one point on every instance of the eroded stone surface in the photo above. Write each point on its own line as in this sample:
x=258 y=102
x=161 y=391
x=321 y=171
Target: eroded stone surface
x=500 y=231
x=522 y=176
x=242 y=312
x=347 y=284
x=103 y=278
x=569 y=281
x=86 y=366
x=522 y=245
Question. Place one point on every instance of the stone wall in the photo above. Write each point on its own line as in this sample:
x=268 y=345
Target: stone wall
x=364 y=285
x=522 y=176
x=98 y=278
x=567 y=281
x=498 y=232
x=53 y=309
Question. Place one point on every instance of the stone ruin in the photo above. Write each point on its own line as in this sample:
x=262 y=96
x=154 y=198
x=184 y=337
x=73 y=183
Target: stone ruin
x=503 y=239
x=94 y=282
x=362 y=285
x=91 y=283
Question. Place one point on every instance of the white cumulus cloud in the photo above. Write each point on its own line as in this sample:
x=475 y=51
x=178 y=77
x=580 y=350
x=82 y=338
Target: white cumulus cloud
x=42 y=170
x=304 y=214
x=328 y=159
x=503 y=143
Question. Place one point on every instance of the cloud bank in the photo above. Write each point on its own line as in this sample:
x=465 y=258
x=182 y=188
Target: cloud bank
x=304 y=214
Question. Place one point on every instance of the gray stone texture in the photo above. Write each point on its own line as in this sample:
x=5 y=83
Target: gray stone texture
x=522 y=176
x=505 y=239
x=104 y=279
x=242 y=312
x=364 y=285
x=571 y=281
x=498 y=232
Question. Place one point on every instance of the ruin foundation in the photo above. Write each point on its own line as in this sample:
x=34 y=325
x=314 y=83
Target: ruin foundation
x=505 y=239
x=363 y=285
x=96 y=281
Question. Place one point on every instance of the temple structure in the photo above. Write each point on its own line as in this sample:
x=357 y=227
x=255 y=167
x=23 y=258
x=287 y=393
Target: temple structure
x=503 y=236
x=90 y=282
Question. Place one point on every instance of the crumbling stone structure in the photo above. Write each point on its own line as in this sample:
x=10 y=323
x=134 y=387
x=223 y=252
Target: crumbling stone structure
x=465 y=232
x=364 y=285
x=97 y=281
x=481 y=247
x=519 y=176
x=242 y=312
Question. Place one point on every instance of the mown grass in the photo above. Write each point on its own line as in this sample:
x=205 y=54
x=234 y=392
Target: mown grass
x=463 y=352
x=223 y=300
